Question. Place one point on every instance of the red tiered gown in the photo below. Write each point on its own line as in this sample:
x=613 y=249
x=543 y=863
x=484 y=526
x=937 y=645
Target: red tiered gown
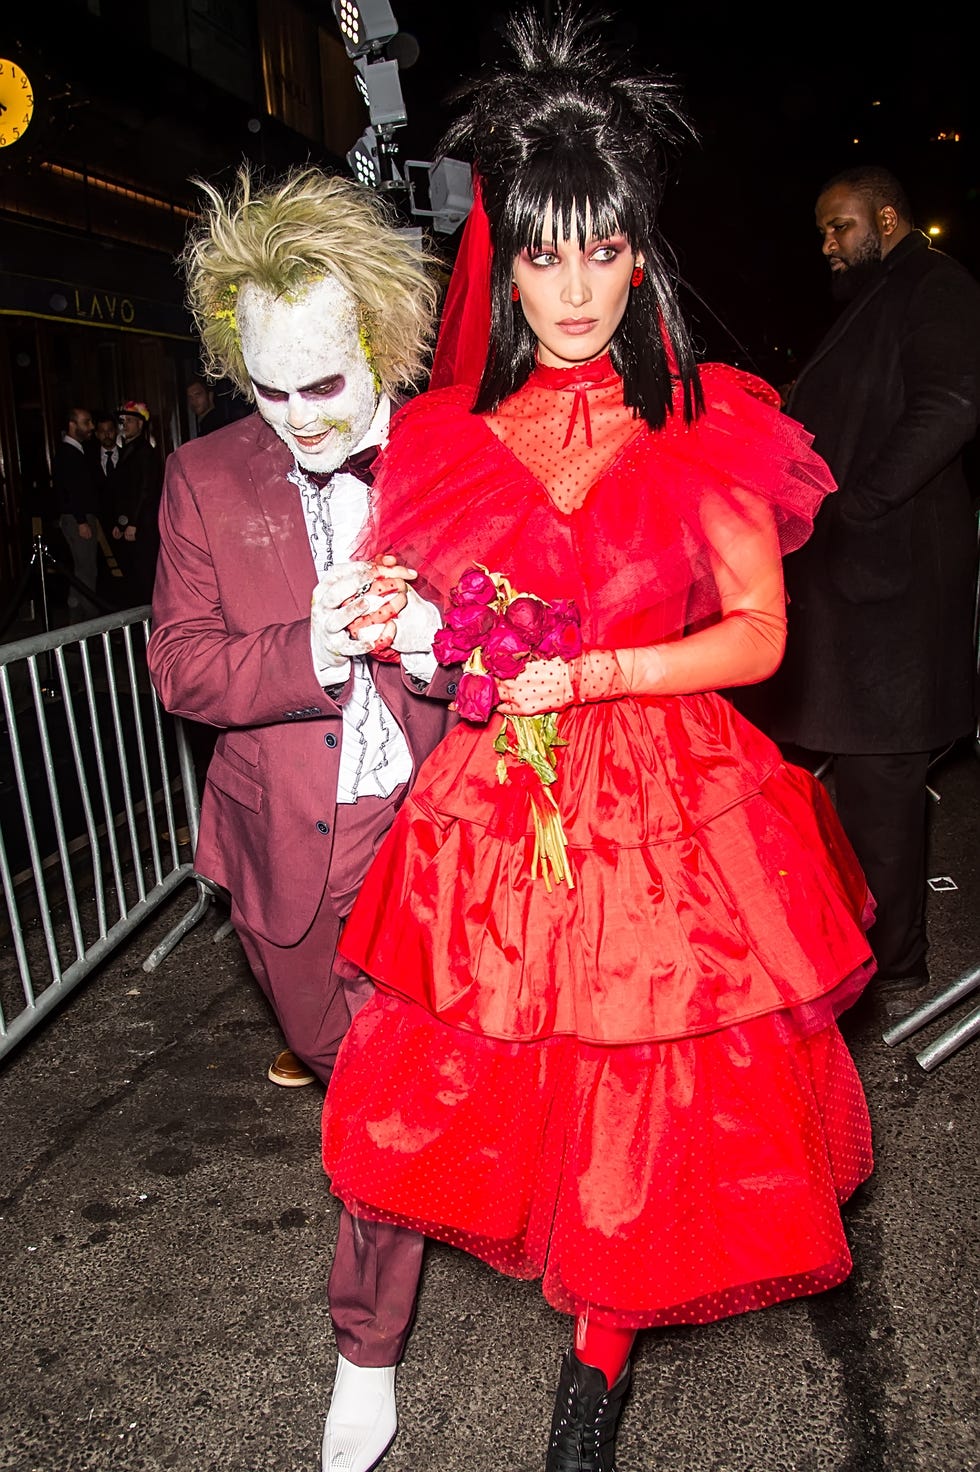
x=634 y=1088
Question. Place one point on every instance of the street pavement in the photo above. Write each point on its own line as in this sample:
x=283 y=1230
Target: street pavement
x=166 y=1229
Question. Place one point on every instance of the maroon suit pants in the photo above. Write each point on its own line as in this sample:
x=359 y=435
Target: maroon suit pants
x=374 y=1278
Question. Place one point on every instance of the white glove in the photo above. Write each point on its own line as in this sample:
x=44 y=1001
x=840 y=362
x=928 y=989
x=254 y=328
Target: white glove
x=339 y=598
x=416 y=626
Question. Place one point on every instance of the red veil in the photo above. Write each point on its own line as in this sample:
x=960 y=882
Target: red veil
x=464 y=332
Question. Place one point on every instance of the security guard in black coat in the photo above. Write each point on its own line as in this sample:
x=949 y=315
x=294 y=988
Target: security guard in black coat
x=880 y=667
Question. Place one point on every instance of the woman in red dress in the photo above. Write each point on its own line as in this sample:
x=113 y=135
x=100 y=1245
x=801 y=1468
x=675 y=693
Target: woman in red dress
x=630 y=1084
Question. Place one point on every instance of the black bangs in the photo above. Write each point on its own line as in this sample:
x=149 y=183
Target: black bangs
x=577 y=201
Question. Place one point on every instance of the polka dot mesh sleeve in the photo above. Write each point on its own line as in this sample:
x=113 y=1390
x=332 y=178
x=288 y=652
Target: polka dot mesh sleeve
x=746 y=645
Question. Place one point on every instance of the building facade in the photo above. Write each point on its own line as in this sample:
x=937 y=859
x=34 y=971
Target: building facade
x=108 y=112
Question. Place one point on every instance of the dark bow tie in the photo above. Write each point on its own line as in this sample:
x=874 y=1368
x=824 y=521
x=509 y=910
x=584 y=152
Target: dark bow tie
x=360 y=464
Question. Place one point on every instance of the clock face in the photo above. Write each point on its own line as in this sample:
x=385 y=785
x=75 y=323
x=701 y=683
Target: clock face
x=16 y=102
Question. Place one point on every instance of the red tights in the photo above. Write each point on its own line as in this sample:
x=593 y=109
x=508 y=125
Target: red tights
x=602 y=1347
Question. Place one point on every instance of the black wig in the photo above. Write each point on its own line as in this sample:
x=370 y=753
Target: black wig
x=558 y=129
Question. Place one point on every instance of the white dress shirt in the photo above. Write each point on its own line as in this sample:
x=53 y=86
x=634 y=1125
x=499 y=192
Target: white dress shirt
x=374 y=755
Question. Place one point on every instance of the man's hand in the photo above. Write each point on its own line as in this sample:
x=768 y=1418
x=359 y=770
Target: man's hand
x=402 y=622
x=351 y=605
x=85 y=531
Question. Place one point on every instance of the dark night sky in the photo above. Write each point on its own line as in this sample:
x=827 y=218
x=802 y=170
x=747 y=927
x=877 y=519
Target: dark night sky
x=777 y=103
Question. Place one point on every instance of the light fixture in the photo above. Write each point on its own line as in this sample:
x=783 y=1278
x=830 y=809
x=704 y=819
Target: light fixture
x=364 y=159
x=93 y=181
x=365 y=25
x=378 y=84
x=450 y=189
x=450 y=193
x=374 y=162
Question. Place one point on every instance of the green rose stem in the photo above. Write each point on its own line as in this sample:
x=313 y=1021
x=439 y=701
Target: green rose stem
x=535 y=738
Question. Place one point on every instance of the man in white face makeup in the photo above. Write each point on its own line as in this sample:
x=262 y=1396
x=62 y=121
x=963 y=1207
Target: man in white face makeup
x=311 y=379
x=315 y=665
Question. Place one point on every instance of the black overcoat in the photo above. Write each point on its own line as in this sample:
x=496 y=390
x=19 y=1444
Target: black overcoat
x=879 y=651
x=75 y=489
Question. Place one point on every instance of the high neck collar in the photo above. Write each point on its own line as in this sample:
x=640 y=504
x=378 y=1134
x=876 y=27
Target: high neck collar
x=578 y=376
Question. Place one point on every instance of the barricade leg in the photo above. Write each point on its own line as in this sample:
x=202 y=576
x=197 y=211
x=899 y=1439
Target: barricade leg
x=954 y=1037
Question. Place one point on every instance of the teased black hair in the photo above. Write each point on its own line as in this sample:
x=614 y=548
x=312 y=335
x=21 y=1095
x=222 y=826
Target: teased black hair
x=557 y=128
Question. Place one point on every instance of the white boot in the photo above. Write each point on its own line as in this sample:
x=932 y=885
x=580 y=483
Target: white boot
x=361 y=1422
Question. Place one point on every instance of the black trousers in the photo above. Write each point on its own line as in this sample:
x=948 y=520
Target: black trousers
x=882 y=803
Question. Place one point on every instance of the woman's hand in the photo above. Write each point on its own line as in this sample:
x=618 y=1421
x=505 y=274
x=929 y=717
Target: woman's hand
x=553 y=684
x=542 y=685
x=344 y=610
x=389 y=596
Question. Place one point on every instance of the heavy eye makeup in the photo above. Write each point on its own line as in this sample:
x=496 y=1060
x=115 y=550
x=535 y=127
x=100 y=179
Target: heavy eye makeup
x=324 y=388
x=599 y=251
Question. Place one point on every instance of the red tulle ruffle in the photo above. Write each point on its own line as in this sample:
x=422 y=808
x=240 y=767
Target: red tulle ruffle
x=451 y=493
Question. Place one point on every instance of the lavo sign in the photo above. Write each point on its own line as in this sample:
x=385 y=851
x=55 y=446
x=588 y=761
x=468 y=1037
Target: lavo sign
x=100 y=306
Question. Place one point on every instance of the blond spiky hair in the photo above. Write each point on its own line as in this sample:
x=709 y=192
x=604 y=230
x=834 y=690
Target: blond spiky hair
x=296 y=231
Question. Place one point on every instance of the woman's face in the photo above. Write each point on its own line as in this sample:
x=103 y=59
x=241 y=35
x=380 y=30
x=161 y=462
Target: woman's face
x=574 y=299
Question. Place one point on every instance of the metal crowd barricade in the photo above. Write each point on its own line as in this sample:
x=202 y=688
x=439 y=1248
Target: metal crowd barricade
x=98 y=811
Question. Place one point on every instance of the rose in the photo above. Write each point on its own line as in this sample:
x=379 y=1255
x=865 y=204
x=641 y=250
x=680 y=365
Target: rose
x=474 y=587
x=476 y=697
x=452 y=648
x=505 y=652
x=566 y=609
x=471 y=620
x=563 y=641
x=563 y=635
x=528 y=617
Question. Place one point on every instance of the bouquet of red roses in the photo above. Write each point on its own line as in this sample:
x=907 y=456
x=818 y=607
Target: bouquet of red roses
x=493 y=631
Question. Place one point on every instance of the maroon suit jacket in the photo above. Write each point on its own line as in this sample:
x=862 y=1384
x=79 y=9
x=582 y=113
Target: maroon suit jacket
x=230 y=646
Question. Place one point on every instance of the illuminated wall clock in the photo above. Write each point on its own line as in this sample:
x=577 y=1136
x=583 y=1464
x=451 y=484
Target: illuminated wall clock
x=16 y=102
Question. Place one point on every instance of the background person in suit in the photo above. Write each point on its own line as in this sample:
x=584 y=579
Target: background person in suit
x=202 y=404
x=134 y=495
x=309 y=299
x=879 y=664
x=103 y=449
x=105 y=444
x=77 y=501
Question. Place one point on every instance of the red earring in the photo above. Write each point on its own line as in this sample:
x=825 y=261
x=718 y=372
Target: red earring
x=637 y=277
x=515 y=295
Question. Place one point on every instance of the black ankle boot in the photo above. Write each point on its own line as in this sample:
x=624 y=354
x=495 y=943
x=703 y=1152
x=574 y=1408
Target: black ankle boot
x=583 y=1429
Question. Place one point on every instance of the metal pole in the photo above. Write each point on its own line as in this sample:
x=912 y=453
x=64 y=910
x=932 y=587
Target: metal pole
x=953 y=1038
x=39 y=559
x=934 y=1008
